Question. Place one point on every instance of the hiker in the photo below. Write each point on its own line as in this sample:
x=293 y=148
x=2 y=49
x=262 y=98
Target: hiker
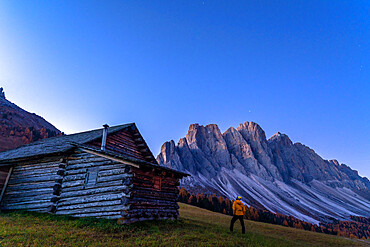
x=238 y=212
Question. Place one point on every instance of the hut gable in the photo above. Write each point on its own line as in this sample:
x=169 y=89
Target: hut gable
x=128 y=142
x=71 y=175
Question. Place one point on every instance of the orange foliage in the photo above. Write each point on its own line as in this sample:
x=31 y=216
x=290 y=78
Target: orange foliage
x=359 y=227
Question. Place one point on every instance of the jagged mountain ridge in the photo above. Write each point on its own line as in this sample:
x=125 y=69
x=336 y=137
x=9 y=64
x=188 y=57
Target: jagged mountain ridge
x=19 y=127
x=274 y=174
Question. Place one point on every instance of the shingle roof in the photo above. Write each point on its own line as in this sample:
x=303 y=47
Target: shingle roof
x=57 y=144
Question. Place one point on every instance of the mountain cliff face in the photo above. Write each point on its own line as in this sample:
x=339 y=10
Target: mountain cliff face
x=274 y=174
x=18 y=127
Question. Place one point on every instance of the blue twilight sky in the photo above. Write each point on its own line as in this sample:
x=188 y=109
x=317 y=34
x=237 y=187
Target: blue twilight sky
x=298 y=67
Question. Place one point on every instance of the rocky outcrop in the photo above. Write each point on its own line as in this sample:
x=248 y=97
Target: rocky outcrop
x=274 y=174
x=2 y=93
x=18 y=127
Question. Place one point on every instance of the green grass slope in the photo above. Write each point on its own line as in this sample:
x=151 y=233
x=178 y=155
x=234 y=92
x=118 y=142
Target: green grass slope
x=196 y=227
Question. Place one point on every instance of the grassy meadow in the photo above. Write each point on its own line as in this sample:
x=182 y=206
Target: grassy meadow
x=196 y=227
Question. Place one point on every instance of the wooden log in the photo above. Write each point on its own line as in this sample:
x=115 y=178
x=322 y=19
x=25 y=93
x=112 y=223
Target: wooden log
x=36 y=179
x=71 y=178
x=72 y=171
x=73 y=184
x=30 y=186
x=113 y=178
x=89 y=159
x=154 y=193
x=90 y=209
x=145 y=207
x=106 y=215
x=88 y=164
x=34 y=201
x=142 y=182
x=89 y=205
x=149 y=180
x=150 y=190
x=36 y=166
x=89 y=199
x=96 y=191
x=148 y=207
x=112 y=172
x=40 y=210
x=152 y=202
x=100 y=185
x=151 y=212
x=31 y=174
x=27 y=206
x=18 y=172
x=147 y=185
x=145 y=171
x=150 y=176
x=31 y=193
x=26 y=198
x=153 y=197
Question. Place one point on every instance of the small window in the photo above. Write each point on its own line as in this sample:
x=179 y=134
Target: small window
x=157 y=183
x=91 y=177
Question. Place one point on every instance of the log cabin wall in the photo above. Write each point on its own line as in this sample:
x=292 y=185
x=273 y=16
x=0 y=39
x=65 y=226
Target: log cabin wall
x=153 y=196
x=93 y=186
x=30 y=185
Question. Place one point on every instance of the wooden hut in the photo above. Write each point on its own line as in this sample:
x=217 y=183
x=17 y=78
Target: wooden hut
x=109 y=173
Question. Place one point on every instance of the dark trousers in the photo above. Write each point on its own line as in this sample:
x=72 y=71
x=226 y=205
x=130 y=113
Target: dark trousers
x=240 y=218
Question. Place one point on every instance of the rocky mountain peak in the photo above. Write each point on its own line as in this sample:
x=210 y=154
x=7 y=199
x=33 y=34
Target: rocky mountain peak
x=194 y=126
x=281 y=139
x=230 y=130
x=213 y=128
x=273 y=174
x=198 y=135
x=2 y=93
x=253 y=130
x=334 y=162
x=182 y=142
x=209 y=128
x=168 y=148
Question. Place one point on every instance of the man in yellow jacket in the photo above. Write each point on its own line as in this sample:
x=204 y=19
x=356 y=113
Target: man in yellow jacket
x=238 y=212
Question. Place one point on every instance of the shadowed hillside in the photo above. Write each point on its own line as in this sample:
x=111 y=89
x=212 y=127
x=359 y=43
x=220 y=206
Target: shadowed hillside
x=18 y=127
